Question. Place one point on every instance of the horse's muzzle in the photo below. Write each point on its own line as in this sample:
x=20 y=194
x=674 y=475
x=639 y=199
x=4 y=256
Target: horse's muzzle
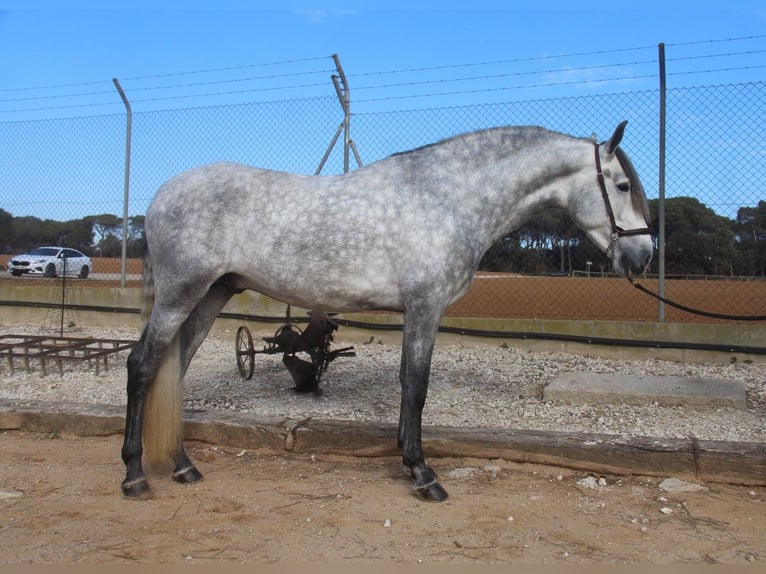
x=632 y=263
x=631 y=254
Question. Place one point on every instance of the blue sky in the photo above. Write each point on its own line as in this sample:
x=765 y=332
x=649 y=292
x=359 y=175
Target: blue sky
x=59 y=63
x=46 y=47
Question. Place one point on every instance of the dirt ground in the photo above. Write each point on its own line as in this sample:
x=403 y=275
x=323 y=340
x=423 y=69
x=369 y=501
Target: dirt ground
x=60 y=503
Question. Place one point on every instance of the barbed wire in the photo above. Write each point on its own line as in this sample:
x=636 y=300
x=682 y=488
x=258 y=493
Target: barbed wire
x=504 y=75
x=176 y=86
x=232 y=68
x=194 y=90
x=496 y=62
x=170 y=74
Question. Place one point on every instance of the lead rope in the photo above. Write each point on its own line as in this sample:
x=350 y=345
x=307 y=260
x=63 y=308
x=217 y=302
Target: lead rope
x=695 y=311
x=618 y=232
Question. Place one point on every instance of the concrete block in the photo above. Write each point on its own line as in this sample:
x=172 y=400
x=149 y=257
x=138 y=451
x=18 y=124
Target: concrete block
x=599 y=389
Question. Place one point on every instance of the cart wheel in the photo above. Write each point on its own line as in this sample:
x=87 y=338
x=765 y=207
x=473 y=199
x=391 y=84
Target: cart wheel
x=245 y=352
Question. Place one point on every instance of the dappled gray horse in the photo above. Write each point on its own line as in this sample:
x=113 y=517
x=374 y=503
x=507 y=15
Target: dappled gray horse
x=405 y=234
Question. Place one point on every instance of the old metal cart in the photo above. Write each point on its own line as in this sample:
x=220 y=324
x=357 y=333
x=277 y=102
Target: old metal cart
x=290 y=341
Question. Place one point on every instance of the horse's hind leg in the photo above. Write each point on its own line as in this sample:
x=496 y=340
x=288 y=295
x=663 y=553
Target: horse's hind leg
x=420 y=329
x=143 y=367
x=143 y=363
x=193 y=332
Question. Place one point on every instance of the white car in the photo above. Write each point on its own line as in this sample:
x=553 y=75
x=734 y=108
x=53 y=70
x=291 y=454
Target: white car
x=51 y=262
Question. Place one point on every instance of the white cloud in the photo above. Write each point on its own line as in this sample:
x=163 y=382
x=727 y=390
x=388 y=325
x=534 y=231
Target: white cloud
x=320 y=16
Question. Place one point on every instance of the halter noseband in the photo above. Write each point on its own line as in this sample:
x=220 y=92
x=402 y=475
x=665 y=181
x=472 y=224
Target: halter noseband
x=617 y=231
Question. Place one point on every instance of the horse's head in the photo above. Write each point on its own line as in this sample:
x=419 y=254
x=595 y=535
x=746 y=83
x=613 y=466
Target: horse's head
x=613 y=210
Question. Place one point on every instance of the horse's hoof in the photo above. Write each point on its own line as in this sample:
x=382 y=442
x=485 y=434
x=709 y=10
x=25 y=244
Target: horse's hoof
x=136 y=490
x=187 y=475
x=431 y=492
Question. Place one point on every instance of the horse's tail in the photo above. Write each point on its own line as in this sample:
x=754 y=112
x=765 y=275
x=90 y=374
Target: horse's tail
x=163 y=423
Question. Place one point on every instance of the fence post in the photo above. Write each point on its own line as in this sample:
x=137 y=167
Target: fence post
x=661 y=175
x=126 y=190
x=341 y=89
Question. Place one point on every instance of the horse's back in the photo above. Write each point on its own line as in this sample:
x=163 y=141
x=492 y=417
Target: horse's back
x=328 y=241
x=409 y=226
x=220 y=186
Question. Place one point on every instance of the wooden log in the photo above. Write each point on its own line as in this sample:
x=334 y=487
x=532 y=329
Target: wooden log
x=701 y=460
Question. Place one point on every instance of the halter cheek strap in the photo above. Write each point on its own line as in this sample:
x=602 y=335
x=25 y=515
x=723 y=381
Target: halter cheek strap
x=617 y=231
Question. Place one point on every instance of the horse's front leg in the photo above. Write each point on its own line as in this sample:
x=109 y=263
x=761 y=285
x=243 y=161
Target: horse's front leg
x=420 y=331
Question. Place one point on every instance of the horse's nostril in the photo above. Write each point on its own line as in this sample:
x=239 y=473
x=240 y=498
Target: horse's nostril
x=631 y=265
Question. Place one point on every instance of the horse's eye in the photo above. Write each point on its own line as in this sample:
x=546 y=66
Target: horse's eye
x=624 y=187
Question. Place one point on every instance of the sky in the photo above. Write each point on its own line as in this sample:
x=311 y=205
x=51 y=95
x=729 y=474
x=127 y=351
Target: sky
x=170 y=55
x=42 y=46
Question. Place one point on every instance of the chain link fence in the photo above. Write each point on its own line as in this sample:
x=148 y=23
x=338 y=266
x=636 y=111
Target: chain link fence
x=69 y=174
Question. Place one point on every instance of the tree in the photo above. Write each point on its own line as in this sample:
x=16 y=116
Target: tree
x=136 y=240
x=78 y=233
x=29 y=232
x=6 y=231
x=565 y=235
x=697 y=241
x=503 y=256
x=586 y=251
x=751 y=240
x=107 y=228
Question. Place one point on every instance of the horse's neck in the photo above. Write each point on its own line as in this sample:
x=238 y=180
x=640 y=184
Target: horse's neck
x=533 y=180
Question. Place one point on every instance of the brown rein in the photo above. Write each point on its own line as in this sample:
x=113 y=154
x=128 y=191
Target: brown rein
x=617 y=231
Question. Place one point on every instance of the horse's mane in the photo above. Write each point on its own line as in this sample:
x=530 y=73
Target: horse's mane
x=506 y=130
x=638 y=195
x=637 y=190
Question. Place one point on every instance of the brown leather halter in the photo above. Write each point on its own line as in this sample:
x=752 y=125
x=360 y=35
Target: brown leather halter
x=617 y=231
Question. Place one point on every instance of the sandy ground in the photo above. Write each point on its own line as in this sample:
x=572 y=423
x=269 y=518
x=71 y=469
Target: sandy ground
x=60 y=503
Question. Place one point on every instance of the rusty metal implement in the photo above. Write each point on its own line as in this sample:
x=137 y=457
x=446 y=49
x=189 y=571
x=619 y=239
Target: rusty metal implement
x=289 y=340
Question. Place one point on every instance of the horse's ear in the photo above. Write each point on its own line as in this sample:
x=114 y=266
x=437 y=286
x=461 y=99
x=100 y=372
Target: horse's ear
x=616 y=138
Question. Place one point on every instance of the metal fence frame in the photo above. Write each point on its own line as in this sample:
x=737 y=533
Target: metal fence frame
x=382 y=132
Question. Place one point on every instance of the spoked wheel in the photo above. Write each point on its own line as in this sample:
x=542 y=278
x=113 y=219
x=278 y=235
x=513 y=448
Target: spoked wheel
x=245 y=352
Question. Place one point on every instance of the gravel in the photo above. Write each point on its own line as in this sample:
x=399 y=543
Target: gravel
x=485 y=385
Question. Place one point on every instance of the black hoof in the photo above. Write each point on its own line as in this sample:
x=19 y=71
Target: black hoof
x=137 y=490
x=187 y=475
x=432 y=492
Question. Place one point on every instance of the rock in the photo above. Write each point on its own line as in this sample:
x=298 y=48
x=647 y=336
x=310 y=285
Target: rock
x=589 y=482
x=5 y=494
x=464 y=472
x=676 y=485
